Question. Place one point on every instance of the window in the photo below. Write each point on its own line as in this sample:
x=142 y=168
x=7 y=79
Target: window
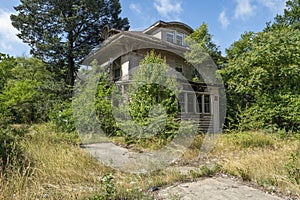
x=190 y=102
x=194 y=103
x=175 y=37
x=179 y=38
x=170 y=37
x=179 y=69
x=181 y=102
x=117 y=69
x=206 y=103
x=199 y=99
x=117 y=73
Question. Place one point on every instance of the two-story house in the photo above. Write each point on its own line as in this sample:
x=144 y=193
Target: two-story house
x=121 y=51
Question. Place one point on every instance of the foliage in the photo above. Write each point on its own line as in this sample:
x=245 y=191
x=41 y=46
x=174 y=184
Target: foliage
x=103 y=105
x=252 y=140
x=152 y=101
x=62 y=116
x=290 y=17
x=149 y=91
x=94 y=90
x=204 y=38
x=262 y=80
x=29 y=90
x=63 y=32
x=6 y=65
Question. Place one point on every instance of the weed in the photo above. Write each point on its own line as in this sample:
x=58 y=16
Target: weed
x=293 y=168
x=252 y=139
x=206 y=171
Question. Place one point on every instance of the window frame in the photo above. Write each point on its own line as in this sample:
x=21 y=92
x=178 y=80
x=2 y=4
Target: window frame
x=205 y=103
x=120 y=73
x=182 y=38
x=170 y=33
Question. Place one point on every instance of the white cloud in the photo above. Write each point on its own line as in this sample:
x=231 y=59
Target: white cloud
x=9 y=41
x=223 y=19
x=135 y=8
x=7 y=31
x=276 y=6
x=168 y=8
x=244 y=9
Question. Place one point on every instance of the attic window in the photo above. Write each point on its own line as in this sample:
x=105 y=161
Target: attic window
x=179 y=38
x=175 y=37
x=170 y=37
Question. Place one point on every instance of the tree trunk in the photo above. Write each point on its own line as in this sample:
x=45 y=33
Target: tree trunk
x=71 y=71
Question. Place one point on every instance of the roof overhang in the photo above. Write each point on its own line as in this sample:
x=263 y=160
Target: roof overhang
x=125 y=42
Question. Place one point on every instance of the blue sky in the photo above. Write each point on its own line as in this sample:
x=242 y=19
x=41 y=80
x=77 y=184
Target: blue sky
x=226 y=19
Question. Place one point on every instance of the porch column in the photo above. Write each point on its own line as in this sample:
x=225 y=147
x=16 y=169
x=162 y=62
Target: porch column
x=215 y=106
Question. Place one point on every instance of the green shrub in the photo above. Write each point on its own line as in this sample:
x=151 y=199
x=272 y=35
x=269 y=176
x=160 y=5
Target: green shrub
x=103 y=105
x=27 y=90
x=62 y=116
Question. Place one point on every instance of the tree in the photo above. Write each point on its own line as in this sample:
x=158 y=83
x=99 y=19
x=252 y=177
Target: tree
x=151 y=106
x=29 y=91
x=149 y=89
x=241 y=46
x=63 y=32
x=264 y=79
x=291 y=16
x=204 y=38
x=6 y=64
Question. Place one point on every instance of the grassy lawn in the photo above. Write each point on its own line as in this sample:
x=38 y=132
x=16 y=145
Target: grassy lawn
x=57 y=168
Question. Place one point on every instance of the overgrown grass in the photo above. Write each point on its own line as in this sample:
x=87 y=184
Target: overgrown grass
x=262 y=158
x=60 y=169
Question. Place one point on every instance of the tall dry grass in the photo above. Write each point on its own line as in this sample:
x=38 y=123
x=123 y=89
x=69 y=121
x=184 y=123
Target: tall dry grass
x=60 y=169
x=57 y=170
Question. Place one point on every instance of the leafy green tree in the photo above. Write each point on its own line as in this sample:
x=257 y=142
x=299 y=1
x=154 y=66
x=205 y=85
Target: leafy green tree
x=103 y=104
x=264 y=79
x=291 y=15
x=6 y=64
x=149 y=90
x=152 y=101
x=233 y=53
x=94 y=91
x=63 y=32
x=29 y=92
x=204 y=38
x=243 y=45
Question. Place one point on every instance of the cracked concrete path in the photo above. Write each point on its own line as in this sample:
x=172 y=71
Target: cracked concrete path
x=216 y=188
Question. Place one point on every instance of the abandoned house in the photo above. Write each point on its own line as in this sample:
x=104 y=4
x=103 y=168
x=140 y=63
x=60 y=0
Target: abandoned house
x=120 y=51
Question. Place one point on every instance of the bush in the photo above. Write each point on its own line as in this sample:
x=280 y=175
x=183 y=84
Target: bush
x=62 y=116
x=152 y=107
x=28 y=90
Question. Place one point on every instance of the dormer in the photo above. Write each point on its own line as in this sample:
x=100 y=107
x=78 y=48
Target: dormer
x=173 y=32
x=108 y=32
